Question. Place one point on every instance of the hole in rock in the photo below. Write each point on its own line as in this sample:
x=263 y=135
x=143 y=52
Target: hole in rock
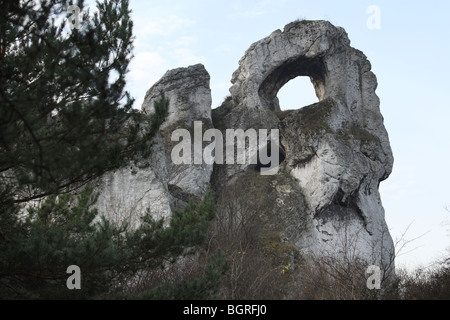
x=298 y=92
x=305 y=68
x=267 y=150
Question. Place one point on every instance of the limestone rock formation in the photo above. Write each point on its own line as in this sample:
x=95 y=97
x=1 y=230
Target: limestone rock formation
x=163 y=186
x=325 y=196
x=337 y=150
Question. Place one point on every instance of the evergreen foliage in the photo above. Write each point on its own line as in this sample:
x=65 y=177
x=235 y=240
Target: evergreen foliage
x=66 y=119
x=65 y=116
x=66 y=230
x=205 y=286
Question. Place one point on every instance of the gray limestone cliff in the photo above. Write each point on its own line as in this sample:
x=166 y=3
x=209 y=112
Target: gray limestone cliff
x=335 y=153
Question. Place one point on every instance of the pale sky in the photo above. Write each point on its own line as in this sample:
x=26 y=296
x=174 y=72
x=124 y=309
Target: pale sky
x=408 y=47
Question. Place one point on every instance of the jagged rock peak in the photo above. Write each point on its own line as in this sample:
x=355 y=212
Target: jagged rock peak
x=189 y=93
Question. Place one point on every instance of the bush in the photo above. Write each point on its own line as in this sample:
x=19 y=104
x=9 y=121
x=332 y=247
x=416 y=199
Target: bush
x=65 y=230
x=423 y=284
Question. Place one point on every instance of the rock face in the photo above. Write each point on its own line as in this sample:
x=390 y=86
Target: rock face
x=337 y=150
x=335 y=153
x=163 y=186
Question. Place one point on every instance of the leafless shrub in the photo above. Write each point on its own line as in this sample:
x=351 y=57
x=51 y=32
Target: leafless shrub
x=431 y=283
x=259 y=258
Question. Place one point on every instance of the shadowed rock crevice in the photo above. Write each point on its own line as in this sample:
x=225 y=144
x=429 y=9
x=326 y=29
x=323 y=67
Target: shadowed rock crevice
x=343 y=208
x=268 y=151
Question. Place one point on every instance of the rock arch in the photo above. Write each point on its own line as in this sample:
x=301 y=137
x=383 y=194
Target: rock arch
x=304 y=48
x=312 y=68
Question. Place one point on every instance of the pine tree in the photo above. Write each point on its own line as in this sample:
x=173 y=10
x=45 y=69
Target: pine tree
x=65 y=119
x=66 y=230
x=65 y=116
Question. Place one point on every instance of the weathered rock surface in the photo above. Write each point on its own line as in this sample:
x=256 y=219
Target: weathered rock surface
x=325 y=196
x=336 y=150
x=163 y=186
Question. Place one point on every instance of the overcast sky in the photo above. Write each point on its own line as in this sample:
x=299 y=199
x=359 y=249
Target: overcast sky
x=407 y=43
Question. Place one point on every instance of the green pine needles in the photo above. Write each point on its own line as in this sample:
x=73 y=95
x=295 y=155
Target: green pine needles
x=66 y=230
x=65 y=120
x=65 y=117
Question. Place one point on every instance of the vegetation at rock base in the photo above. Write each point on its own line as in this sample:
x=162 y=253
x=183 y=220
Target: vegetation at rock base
x=66 y=230
x=260 y=263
